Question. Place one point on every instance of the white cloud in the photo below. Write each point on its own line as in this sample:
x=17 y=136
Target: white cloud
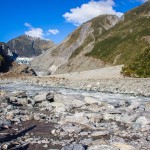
x=27 y=24
x=79 y=15
x=53 y=31
x=35 y=32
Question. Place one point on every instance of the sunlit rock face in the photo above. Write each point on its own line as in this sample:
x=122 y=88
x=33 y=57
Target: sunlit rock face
x=27 y=46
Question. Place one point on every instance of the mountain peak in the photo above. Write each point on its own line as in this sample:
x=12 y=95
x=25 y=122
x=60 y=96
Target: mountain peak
x=28 y=46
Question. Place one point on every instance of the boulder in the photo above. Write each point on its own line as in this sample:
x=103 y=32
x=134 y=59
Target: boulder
x=24 y=69
x=143 y=120
x=20 y=94
x=43 y=97
x=122 y=146
x=101 y=147
x=69 y=100
x=74 y=147
x=70 y=128
x=99 y=133
x=78 y=118
x=91 y=100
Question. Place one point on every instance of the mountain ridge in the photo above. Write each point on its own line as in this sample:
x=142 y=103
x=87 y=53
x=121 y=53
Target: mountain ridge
x=61 y=58
x=27 y=46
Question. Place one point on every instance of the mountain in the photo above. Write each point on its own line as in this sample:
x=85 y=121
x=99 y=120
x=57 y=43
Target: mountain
x=128 y=42
x=70 y=54
x=8 y=67
x=27 y=46
x=6 y=57
x=104 y=41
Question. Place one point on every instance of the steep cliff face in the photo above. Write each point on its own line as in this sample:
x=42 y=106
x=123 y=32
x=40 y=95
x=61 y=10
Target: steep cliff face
x=26 y=46
x=69 y=55
x=6 y=57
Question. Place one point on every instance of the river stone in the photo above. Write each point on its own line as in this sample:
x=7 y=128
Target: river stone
x=5 y=123
x=71 y=100
x=108 y=116
x=74 y=147
x=143 y=120
x=78 y=118
x=20 y=94
x=147 y=106
x=18 y=101
x=91 y=100
x=101 y=147
x=128 y=119
x=70 y=128
x=122 y=146
x=42 y=97
x=100 y=133
x=94 y=117
x=134 y=105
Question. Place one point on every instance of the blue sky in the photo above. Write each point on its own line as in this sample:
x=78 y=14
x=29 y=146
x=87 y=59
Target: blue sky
x=54 y=19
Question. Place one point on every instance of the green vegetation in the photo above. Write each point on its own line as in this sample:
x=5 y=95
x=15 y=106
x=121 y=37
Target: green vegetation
x=140 y=66
x=97 y=24
x=1 y=60
x=127 y=43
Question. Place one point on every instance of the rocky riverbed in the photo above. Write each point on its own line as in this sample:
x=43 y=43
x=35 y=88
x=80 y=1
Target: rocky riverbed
x=49 y=118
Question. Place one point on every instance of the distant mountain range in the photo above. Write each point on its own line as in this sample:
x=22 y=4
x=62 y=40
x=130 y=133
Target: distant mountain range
x=27 y=46
x=104 y=41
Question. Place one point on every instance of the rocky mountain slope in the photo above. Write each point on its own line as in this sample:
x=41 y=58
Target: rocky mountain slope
x=128 y=42
x=69 y=55
x=8 y=66
x=105 y=41
x=27 y=46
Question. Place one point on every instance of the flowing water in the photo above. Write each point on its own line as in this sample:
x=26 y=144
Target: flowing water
x=102 y=96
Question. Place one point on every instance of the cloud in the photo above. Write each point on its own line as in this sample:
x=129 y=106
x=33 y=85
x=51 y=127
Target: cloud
x=87 y=11
x=34 y=32
x=53 y=31
x=39 y=32
x=27 y=24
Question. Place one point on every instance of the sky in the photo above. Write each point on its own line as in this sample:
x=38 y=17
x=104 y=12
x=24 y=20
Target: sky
x=54 y=19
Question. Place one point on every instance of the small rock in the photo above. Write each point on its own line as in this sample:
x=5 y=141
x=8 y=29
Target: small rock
x=143 y=120
x=100 y=133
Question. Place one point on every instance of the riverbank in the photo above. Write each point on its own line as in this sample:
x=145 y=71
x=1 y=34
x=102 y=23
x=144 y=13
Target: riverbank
x=42 y=118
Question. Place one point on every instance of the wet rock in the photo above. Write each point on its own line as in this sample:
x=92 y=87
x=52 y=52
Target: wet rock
x=74 y=147
x=71 y=128
x=43 y=97
x=148 y=138
x=129 y=118
x=143 y=120
x=122 y=146
x=86 y=141
x=78 y=118
x=5 y=123
x=108 y=116
x=101 y=147
x=69 y=100
x=134 y=105
x=18 y=101
x=99 y=133
x=20 y=94
x=91 y=100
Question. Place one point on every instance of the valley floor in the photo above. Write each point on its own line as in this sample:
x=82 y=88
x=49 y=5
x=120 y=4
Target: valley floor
x=89 y=110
